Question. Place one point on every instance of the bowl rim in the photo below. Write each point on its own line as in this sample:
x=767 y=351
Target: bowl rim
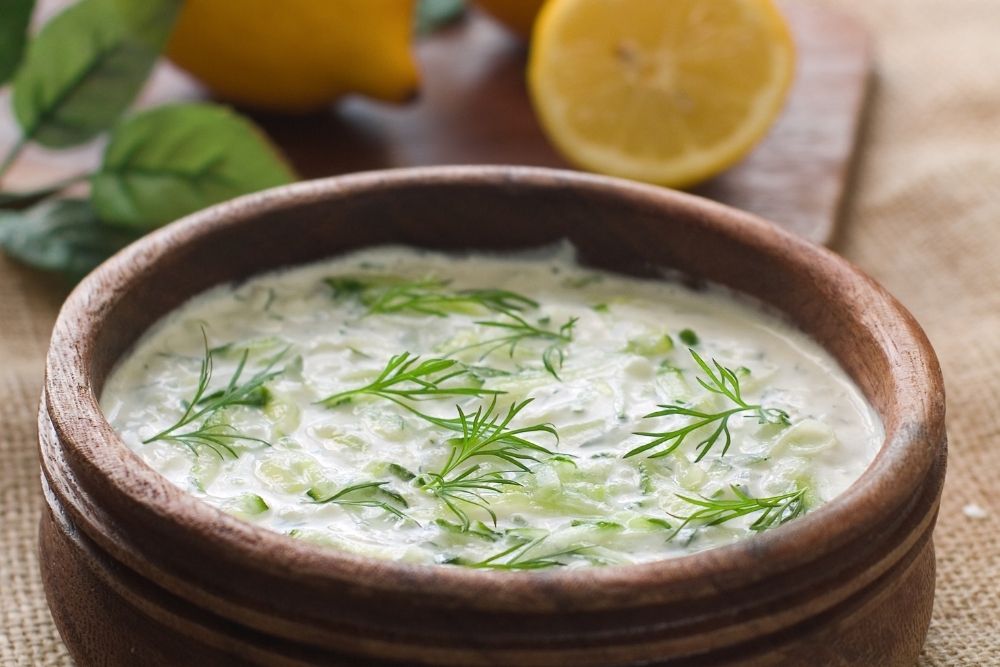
x=899 y=467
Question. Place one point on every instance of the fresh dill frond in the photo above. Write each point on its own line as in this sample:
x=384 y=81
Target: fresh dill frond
x=722 y=382
x=427 y=296
x=485 y=434
x=218 y=438
x=521 y=557
x=516 y=329
x=362 y=495
x=258 y=398
x=405 y=376
x=204 y=405
x=467 y=488
x=775 y=510
x=600 y=524
x=477 y=529
x=458 y=425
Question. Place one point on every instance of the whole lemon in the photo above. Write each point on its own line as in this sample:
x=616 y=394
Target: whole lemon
x=518 y=15
x=297 y=55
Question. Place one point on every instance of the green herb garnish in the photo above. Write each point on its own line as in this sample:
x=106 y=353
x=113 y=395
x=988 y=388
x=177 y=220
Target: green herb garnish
x=723 y=382
x=428 y=296
x=204 y=406
x=485 y=434
x=477 y=529
x=404 y=380
x=774 y=510
x=405 y=376
x=517 y=557
x=362 y=495
x=467 y=488
x=599 y=524
x=516 y=330
x=431 y=296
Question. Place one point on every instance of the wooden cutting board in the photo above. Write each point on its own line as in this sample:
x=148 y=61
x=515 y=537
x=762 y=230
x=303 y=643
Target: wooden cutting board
x=474 y=109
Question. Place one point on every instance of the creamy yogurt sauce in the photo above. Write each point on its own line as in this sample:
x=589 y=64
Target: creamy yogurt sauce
x=768 y=429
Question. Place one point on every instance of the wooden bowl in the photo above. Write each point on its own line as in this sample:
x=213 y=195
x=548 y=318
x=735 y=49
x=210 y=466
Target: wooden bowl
x=139 y=573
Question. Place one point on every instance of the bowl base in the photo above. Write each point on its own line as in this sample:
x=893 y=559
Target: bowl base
x=87 y=591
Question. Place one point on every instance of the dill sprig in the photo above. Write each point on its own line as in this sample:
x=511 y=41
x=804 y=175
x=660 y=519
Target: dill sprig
x=517 y=557
x=361 y=495
x=456 y=424
x=516 y=330
x=775 y=510
x=218 y=438
x=405 y=376
x=485 y=434
x=467 y=488
x=204 y=406
x=722 y=382
x=427 y=296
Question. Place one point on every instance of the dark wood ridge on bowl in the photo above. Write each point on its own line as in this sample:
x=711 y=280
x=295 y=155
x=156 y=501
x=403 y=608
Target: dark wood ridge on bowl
x=851 y=583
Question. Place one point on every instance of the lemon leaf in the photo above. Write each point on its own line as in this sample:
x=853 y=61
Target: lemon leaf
x=14 y=18
x=164 y=163
x=86 y=66
x=62 y=235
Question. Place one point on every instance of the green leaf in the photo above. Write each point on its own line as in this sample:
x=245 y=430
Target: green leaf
x=169 y=161
x=434 y=14
x=62 y=235
x=149 y=22
x=14 y=18
x=86 y=67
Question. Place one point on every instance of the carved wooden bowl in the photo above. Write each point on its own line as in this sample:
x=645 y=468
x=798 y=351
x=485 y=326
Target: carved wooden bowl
x=139 y=573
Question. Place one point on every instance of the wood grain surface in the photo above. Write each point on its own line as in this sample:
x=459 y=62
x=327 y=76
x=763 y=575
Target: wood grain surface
x=474 y=109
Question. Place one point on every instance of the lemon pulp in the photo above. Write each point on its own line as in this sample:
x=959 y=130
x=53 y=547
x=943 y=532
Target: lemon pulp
x=665 y=91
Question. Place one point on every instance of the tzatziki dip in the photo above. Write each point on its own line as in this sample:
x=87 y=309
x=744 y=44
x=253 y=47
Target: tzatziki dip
x=514 y=412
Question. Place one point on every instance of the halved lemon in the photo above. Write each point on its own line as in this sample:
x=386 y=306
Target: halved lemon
x=665 y=91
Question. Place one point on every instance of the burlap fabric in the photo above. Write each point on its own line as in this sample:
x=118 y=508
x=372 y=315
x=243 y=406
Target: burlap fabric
x=924 y=220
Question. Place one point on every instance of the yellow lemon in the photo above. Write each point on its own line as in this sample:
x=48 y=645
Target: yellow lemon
x=518 y=15
x=297 y=55
x=664 y=91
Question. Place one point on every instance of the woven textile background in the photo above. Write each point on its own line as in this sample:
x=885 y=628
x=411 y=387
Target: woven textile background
x=924 y=220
